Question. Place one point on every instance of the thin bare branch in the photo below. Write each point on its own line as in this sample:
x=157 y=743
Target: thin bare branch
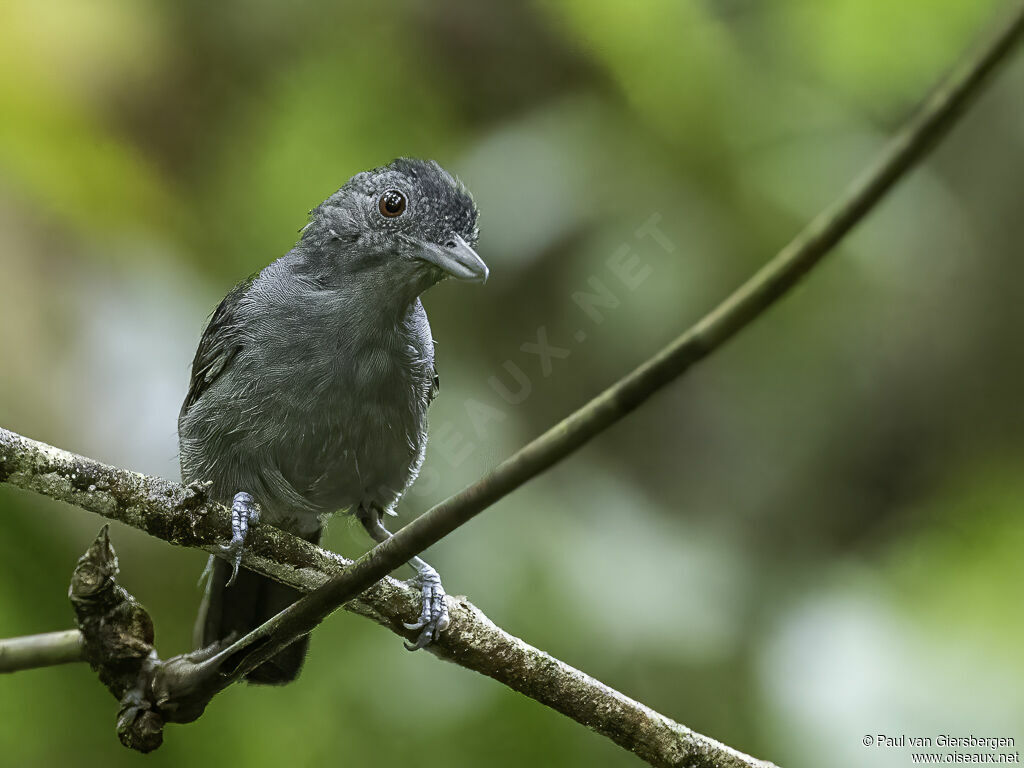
x=47 y=650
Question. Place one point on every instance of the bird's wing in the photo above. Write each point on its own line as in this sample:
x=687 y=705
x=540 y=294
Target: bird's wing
x=217 y=348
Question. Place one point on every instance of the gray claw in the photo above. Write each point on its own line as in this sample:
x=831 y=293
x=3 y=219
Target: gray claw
x=235 y=550
x=244 y=513
x=434 y=617
x=425 y=638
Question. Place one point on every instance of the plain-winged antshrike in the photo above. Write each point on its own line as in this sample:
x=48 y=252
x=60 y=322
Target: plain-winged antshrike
x=310 y=387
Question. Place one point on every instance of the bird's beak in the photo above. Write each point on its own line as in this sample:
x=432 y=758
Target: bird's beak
x=456 y=258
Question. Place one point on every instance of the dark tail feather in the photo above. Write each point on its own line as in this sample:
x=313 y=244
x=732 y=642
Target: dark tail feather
x=242 y=607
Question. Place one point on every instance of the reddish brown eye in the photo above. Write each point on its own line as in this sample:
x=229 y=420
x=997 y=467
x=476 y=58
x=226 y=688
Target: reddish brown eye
x=392 y=203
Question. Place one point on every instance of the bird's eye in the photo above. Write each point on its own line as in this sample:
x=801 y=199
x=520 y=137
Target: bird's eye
x=392 y=203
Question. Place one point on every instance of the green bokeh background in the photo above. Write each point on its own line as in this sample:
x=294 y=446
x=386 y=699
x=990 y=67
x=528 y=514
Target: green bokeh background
x=815 y=536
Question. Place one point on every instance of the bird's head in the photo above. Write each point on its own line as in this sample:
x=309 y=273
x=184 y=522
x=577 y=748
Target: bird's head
x=408 y=224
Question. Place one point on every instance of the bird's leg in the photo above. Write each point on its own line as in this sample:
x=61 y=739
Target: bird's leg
x=433 y=618
x=244 y=513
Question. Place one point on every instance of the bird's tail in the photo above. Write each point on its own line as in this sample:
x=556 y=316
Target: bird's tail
x=242 y=607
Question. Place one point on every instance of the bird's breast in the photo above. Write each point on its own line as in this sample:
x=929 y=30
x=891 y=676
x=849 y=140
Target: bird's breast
x=358 y=435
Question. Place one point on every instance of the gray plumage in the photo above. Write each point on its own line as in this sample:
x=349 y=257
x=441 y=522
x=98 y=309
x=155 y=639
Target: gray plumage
x=311 y=383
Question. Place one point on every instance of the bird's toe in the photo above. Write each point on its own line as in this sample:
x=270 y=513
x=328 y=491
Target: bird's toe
x=233 y=553
x=434 y=618
x=245 y=512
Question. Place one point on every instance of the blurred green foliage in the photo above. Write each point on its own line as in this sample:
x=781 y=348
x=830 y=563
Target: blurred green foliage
x=815 y=536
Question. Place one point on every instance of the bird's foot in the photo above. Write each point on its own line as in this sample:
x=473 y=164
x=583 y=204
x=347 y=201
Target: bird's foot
x=244 y=513
x=434 y=615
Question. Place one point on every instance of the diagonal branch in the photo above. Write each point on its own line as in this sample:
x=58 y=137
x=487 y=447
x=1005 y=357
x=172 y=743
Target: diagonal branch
x=938 y=114
x=179 y=515
x=183 y=516
x=747 y=303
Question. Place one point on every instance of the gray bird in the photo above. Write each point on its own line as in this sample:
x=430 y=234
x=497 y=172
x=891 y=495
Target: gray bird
x=310 y=387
